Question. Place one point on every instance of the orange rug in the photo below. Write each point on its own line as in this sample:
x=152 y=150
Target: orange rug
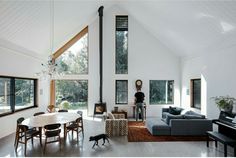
x=139 y=133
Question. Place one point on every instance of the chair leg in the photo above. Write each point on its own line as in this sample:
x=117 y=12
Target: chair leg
x=77 y=133
x=45 y=145
x=25 y=146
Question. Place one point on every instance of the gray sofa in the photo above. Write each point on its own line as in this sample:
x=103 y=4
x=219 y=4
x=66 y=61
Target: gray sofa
x=185 y=124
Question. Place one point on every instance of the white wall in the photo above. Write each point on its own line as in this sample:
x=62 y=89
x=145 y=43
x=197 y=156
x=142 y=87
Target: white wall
x=18 y=65
x=148 y=60
x=218 y=71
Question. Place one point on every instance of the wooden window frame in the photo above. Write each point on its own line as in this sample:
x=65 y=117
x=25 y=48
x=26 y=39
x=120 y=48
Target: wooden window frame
x=192 y=93
x=58 y=53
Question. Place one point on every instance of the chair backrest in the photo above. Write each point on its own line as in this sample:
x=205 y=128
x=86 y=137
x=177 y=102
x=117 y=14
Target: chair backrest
x=52 y=126
x=78 y=120
x=20 y=120
x=52 y=130
x=38 y=113
x=80 y=113
x=63 y=110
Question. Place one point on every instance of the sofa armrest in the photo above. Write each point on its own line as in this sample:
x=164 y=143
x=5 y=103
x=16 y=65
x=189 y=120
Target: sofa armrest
x=190 y=126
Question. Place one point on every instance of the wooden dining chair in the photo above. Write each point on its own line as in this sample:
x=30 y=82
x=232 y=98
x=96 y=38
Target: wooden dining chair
x=24 y=133
x=39 y=113
x=52 y=131
x=63 y=110
x=18 y=132
x=82 y=122
x=75 y=127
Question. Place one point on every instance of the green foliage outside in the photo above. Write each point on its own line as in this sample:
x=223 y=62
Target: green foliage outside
x=121 y=52
x=75 y=59
x=158 y=91
x=75 y=92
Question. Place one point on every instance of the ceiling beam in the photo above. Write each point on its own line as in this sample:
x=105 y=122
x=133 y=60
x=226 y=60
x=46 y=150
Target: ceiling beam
x=70 y=43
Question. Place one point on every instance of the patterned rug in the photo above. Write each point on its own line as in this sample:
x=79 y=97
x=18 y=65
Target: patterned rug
x=139 y=133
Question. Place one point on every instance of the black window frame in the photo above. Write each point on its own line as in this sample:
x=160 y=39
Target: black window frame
x=173 y=90
x=116 y=92
x=121 y=29
x=13 y=95
x=192 y=94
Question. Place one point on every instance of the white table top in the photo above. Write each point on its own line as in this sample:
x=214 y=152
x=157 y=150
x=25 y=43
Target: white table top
x=50 y=118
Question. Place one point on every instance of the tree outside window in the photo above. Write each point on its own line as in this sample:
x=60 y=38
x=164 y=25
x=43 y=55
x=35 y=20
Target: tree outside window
x=161 y=92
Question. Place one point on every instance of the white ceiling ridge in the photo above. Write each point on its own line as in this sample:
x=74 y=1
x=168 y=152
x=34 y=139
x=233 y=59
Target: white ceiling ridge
x=19 y=50
x=150 y=31
x=73 y=33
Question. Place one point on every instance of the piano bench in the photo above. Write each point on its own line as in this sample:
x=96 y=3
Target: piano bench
x=216 y=136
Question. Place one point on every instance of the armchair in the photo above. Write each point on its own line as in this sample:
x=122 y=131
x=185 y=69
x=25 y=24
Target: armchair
x=116 y=125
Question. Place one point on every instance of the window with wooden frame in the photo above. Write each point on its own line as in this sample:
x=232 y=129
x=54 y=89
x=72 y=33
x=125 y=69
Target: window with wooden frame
x=72 y=59
x=195 y=93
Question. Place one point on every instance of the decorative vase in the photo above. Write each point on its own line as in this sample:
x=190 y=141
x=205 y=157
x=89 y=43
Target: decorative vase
x=51 y=108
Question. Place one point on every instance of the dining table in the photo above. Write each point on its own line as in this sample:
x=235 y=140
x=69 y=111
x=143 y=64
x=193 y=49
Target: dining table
x=40 y=121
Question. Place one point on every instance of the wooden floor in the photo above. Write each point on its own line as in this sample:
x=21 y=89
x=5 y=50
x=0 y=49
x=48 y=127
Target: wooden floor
x=118 y=147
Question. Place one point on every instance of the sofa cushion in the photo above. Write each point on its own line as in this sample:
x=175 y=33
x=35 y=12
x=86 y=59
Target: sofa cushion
x=175 y=110
x=190 y=114
x=170 y=117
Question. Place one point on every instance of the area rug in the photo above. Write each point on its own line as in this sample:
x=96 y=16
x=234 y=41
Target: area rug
x=139 y=133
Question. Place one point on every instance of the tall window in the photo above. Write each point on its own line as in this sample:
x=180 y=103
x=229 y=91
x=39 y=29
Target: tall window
x=75 y=59
x=121 y=91
x=17 y=94
x=161 y=92
x=121 y=44
x=72 y=94
x=195 y=93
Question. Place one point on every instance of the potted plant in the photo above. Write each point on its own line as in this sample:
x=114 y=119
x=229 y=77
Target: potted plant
x=225 y=103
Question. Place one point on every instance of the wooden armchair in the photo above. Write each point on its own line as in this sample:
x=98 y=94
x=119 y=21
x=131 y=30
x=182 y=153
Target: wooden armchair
x=116 y=125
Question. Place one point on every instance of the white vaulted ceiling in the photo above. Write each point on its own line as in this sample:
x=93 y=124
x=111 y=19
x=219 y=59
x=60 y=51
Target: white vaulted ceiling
x=188 y=28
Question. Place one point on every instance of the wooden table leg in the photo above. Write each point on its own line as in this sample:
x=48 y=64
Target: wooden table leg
x=65 y=132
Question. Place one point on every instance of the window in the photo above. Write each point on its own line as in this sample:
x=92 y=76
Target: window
x=121 y=91
x=196 y=93
x=17 y=94
x=72 y=94
x=75 y=59
x=121 y=44
x=161 y=92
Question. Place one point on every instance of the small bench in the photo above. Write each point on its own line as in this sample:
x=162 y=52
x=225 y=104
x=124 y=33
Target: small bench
x=223 y=139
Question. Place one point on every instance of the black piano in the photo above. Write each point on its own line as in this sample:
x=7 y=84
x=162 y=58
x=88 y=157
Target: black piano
x=226 y=124
x=226 y=131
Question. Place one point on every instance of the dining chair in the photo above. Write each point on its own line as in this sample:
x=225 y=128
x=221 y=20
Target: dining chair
x=75 y=126
x=63 y=110
x=18 y=132
x=24 y=133
x=82 y=122
x=52 y=131
x=39 y=113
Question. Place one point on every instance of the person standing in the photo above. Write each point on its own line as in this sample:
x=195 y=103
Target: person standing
x=139 y=98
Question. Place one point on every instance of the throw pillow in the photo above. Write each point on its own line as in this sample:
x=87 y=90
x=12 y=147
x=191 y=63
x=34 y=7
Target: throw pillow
x=170 y=117
x=175 y=110
x=110 y=116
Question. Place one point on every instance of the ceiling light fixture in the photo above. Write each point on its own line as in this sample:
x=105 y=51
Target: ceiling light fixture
x=49 y=70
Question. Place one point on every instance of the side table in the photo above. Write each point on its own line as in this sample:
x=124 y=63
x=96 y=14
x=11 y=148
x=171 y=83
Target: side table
x=120 y=112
